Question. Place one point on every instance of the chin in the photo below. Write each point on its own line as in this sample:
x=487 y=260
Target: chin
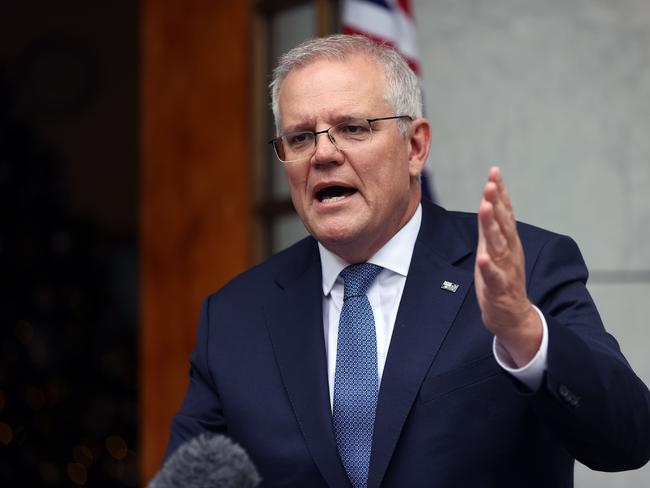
x=333 y=236
x=337 y=234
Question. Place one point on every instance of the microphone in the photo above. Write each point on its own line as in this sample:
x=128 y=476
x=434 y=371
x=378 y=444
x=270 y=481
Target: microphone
x=207 y=462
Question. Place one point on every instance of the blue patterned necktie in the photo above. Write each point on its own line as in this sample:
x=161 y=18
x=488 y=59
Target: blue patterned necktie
x=356 y=381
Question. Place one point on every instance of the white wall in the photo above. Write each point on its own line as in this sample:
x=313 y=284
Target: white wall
x=557 y=92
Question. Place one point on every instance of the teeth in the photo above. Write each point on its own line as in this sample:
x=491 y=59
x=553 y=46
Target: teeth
x=333 y=199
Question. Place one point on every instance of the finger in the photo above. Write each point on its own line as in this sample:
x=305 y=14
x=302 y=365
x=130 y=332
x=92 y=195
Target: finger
x=493 y=276
x=506 y=221
x=495 y=220
x=495 y=243
x=496 y=177
x=498 y=196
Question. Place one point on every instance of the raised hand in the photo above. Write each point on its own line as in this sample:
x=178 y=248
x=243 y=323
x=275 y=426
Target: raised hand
x=499 y=275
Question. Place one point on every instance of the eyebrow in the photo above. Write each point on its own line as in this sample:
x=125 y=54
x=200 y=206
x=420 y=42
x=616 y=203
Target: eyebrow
x=309 y=126
x=301 y=127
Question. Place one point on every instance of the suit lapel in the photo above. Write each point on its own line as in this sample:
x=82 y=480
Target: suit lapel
x=295 y=325
x=426 y=313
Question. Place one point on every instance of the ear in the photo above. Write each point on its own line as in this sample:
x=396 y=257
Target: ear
x=419 y=144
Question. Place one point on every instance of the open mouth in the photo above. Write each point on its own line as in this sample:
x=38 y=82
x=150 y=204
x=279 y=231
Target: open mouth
x=333 y=194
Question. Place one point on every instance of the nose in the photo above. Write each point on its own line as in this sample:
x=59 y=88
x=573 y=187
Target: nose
x=326 y=151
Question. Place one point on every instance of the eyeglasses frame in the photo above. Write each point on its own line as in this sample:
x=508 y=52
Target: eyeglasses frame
x=329 y=136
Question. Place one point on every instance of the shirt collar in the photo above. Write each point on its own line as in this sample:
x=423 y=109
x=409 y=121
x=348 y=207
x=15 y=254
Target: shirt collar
x=395 y=255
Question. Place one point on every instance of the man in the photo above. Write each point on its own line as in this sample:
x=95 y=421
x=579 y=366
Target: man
x=472 y=355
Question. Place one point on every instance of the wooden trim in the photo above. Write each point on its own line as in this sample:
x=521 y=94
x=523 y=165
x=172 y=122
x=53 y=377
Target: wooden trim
x=195 y=218
x=259 y=125
x=271 y=6
x=326 y=13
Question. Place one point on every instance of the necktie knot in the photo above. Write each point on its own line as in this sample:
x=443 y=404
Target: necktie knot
x=357 y=278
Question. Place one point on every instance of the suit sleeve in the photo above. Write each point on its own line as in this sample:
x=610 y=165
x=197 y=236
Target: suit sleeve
x=590 y=398
x=201 y=408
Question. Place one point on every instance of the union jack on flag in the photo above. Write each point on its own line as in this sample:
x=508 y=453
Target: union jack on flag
x=390 y=22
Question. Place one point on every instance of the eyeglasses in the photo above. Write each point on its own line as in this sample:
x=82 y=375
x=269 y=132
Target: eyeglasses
x=295 y=146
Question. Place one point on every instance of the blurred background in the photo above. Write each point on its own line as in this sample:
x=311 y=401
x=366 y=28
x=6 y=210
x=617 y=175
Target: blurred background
x=135 y=179
x=68 y=243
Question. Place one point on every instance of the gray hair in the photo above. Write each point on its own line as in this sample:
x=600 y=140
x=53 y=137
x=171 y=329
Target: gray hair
x=403 y=90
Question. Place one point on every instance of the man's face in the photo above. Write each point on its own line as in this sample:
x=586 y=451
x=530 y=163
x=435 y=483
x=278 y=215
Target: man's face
x=352 y=201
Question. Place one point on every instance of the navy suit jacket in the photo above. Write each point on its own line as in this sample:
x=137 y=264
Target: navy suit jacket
x=447 y=414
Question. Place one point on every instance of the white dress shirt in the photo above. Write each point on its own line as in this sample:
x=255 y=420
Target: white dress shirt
x=385 y=295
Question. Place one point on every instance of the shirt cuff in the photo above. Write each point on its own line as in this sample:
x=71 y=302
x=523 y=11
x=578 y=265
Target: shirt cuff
x=532 y=373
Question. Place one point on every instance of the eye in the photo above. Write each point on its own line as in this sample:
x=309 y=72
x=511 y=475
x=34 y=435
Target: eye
x=354 y=129
x=298 y=139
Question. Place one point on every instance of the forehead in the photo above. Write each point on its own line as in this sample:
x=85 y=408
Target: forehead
x=326 y=89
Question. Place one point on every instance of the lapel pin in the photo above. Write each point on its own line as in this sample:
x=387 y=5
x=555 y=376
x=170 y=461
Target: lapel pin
x=449 y=286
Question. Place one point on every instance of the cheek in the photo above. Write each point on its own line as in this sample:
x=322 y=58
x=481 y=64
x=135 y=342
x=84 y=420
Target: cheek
x=297 y=180
x=392 y=176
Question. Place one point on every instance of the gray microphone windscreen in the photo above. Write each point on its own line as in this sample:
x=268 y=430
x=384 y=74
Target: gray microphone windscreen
x=207 y=462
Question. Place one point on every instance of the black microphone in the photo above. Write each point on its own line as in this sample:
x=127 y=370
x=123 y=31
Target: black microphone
x=207 y=462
